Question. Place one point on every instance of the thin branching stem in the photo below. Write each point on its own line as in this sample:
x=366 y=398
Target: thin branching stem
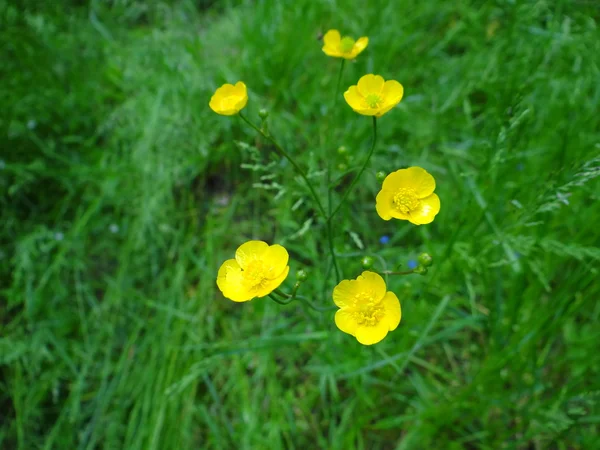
x=311 y=188
x=358 y=175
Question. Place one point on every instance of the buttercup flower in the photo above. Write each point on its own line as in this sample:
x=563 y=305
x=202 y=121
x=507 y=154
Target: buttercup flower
x=407 y=194
x=373 y=96
x=257 y=270
x=229 y=99
x=367 y=311
x=343 y=47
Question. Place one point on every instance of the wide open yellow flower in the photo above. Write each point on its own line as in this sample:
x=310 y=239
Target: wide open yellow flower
x=373 y=96
x=229 y=99
x=407 y=194
x=257 y=270
x=367 y=311
x=343 y=47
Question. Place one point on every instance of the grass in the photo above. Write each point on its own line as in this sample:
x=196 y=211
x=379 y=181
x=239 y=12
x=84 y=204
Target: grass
x=122 y=193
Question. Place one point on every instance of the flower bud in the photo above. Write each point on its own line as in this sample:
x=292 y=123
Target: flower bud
x=342 y=167
x=301 y=275
x=367 y=262
x=342 y=150
x=380 y=176
x=263 y=113
x=425 y=259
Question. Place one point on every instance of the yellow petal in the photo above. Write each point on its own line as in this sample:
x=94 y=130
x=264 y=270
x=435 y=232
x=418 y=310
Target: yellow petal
x=368 y=335
x=383 y=204
x=332 y=52
x=370 y=84
x=269 y=286
x=345 y=293
x=421 y=181
x=354 y=98
x=240 y=89
x=360 y=45
x=345 y=321
x=393 y=313
x=392 y=92
x=332 y=39
x=275 y=259
x=415 y=178
x=229 y=281
x=373 y=284
x=250 y=251
x=381 y=111
x=426 y=211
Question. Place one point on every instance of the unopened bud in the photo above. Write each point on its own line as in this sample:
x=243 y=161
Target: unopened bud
x=263 y=113
x=342 y=150
x=367 y=262
x=380 y=176
x=301 y=275
x=425 y=259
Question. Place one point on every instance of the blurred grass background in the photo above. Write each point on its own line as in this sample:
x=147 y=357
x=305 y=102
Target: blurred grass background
x=122 y=193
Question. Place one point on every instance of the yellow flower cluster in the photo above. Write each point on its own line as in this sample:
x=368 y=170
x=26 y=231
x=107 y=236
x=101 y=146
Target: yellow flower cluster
x=366 y=310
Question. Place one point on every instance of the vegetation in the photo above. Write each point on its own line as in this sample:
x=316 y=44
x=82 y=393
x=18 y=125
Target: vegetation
x=121 y=193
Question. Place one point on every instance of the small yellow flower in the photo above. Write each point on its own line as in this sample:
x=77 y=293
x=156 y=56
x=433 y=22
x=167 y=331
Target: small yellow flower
x=257 y=270
x=367 y=311
x=343 y=47
x=373 y=96
x=229 y=99
x=407 y=194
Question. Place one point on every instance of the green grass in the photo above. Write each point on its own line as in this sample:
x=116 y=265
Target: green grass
x=121 y=193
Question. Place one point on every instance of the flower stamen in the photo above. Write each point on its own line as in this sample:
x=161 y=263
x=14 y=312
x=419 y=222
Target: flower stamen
x=373 y=100
x=347 y=44
x=405 y=200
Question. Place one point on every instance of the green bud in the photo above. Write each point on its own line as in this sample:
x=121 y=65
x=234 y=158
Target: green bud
x=420 y=270
x=367 y=262
x=263 y=113
x=380 y=176
x=425 y=259
x=342 y=150
x=301 y=275
x=342 y=167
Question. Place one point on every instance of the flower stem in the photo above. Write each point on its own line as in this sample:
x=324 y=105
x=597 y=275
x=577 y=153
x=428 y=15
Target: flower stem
x=283 y=153
x=329 y=189
x=276 y=300
x=362 y=169
x=388 y=272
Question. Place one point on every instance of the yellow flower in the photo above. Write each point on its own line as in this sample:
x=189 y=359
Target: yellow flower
x=229 y=99
x=343 y=47
x=407 y=194
x=367 y=311
x=373 y=96
x=257 y=270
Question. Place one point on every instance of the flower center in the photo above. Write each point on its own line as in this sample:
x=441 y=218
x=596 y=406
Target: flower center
x=373 y=100
x=367 y=310
x=370 y=315
x=346 y=44
x=405 y=200
x=255 y=273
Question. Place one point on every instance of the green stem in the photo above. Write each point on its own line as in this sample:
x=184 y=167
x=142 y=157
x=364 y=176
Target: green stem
x=387 y=272
x=312 y=306
x=283 y=153
x=339 y=81
x=329 y=190
x=358 y=175
x=276 y=300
